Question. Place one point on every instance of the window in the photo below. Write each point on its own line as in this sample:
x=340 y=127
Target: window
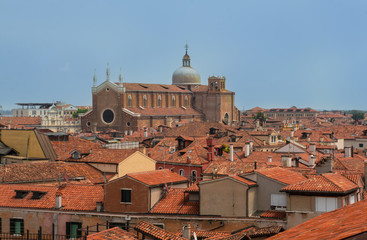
x=324 y=204
x=160 y=225
x=278 y=200
x=120 y=225
x=144 y=101
x=193 y=175
x=16 y=226
x=159 y=100
x=129 y=101
x=126 y=195
x=186 y=101
x=181 y=172
x=361 y=145
x=351 y=199
x=173 y=101
x=108 y=116
x=73 y=230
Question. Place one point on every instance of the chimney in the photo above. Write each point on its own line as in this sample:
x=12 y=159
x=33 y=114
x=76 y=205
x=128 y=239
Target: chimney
x=210 y=143
x=160 y=129
x=308 y=139
x=251 y=146
x=145 y=132
x=130 y=132
x=247 y=149
x=312 y=148
x=292 y=133
x=58 y=203
x=286 y=160
x=186 y=231
x=126 y=132
x=270 y=159
x=347 y=152
x=312 y=159
x=231 y=152
x=99 y=206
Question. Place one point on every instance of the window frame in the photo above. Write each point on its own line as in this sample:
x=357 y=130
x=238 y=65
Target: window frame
x=69 y=229
x=12 y=226
x=121 y=192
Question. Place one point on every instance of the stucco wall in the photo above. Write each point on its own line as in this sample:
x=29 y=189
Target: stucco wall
x=137 y=162
x=223 y=197
x=266 y=187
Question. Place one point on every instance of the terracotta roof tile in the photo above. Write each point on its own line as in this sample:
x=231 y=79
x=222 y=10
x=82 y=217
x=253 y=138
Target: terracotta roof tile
x=176 y=202
x=157 y=177
x=20 y=122
x=273 y=214
x=44 y=172
x=338 y=224
x=155 y=232
x=282 y=175
x=115 y=233
x=74 y=197
x=256 y=232
x=327 y=182
x=153 y=87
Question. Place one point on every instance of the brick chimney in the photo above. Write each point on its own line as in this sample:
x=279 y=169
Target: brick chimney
x=210 y=144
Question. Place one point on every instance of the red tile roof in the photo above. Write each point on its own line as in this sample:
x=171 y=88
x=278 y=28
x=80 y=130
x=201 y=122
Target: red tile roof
x=256 y=232
x=45 y=172
x=244 y=180
x=157 y=177
x=327 y=182
x=155 y=232
x=176 y=202
x=20 y=122
x=282 y=175
x=338 y=224
x=273 y=214
x=74 y=197
x=115 y=233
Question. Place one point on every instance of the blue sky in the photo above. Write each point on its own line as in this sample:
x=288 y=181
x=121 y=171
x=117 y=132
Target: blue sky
x=273 y=53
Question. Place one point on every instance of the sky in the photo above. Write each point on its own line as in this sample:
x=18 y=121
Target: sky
x=275 y=53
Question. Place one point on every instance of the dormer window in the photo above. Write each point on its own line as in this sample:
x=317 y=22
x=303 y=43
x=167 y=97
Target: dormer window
x=75 y=155
x=20 y=194
x=38 y=194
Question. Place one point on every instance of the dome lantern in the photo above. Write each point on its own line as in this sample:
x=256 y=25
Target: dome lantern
x=186 y=75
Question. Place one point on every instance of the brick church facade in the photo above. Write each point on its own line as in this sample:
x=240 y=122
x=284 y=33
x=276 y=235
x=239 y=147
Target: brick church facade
x=128 y=107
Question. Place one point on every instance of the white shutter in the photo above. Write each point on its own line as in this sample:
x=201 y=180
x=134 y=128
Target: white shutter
x=278 y=199
x=324 y=204
x=331 y=204
x=351 y=200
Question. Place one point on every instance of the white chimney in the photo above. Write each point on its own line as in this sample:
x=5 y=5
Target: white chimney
x=312 y=159
x=292 y=133
x=58 y=203
x=186 y=231
x=247 y=149
x=270 y=158
x=125 y=133
x=99 y=206
x=313 y=148
x=145 y=133
x=131 y=132
x=286 y=160
x=251 y=146
x=231 y=152
x=347 y=152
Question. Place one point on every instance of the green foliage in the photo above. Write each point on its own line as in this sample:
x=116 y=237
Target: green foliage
x=357 y=115
x=225 y=148
x=260 y=116
x=76 y=114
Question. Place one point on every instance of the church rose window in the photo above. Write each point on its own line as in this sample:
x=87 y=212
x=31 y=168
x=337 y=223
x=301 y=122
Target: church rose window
x=108 y=116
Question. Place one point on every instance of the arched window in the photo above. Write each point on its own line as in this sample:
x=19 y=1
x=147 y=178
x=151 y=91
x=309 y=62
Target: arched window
x=193 y=176
x=144 y=101
x=129 y=101
x=226 y=119
x=159 y=101
x=173 y=101
x=181 y=172
x=186 y=101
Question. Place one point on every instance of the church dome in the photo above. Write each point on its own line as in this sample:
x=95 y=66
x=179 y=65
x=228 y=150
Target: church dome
x=186 y=74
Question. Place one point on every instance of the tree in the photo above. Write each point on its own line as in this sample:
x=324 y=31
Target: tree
x=260 y=116
x=76 y=114
x=357 y=115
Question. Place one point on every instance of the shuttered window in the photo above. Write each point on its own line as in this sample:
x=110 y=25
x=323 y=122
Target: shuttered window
x=325 y=204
